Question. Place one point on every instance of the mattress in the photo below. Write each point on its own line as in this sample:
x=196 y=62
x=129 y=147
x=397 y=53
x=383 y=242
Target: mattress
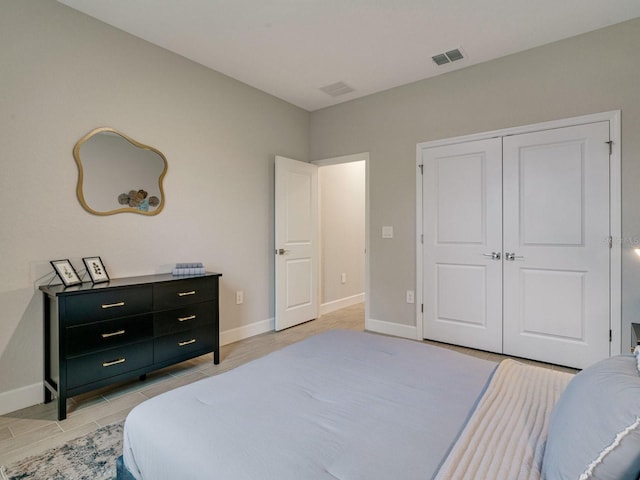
x=339 y=405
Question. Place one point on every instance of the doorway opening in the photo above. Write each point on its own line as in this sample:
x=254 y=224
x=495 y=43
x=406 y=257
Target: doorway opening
x=343 y=212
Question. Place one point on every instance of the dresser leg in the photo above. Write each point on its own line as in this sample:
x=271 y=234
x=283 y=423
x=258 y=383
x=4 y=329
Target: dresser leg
x=216 y=356
x=62 y=407
x=47 y=395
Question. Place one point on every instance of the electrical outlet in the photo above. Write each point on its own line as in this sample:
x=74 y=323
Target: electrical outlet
x=239 y=297
x=410 y=296
x=387 y=232
x=343 y=278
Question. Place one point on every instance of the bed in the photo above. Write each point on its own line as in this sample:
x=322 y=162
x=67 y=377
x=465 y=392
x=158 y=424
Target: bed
x=354 y=405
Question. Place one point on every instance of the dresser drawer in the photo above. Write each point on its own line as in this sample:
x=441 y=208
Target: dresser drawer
x=183 y=343
x=113 y=303
x=109 y=363
x=184 y=318
x=184 y=292
x=106 y=334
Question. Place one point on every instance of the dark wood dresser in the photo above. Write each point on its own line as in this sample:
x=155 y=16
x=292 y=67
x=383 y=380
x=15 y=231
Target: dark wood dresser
x=99 y=334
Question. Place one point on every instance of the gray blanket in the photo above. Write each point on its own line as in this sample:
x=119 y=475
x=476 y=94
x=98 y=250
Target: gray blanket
x=340 y=405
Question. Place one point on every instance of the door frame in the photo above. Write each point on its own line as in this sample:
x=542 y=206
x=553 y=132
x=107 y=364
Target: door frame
x=615 y=208
x=356 y=157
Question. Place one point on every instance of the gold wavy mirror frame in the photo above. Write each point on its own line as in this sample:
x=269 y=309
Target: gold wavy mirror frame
x=117 y=174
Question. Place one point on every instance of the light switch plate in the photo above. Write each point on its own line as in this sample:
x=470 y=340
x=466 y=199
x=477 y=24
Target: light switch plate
x=387 y=232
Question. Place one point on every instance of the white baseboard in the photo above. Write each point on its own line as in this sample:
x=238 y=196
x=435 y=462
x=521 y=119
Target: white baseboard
x=341 y=303
x=389 y=328
x=22 y=397
x=268 y=325
x=246 y=331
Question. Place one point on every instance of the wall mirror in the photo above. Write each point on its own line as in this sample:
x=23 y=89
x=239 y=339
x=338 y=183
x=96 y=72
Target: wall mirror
x=118 y=174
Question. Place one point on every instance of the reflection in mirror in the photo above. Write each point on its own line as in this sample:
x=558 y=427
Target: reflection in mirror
x=117 y=174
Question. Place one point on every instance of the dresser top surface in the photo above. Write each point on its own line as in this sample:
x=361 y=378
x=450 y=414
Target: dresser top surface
x=61 y=290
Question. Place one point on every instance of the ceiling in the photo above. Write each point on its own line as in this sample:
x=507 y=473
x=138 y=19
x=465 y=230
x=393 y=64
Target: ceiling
x=293 y=48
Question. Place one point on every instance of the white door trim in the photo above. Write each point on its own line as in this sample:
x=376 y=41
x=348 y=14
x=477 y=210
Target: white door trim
x=357 y=157
x=613 y=117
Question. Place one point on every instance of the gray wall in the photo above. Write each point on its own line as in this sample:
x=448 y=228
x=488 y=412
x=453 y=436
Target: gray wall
x=595 y=72
x=63 y=74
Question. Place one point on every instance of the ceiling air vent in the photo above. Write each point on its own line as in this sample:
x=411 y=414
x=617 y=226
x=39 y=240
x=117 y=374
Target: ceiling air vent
x=448 y=57
x=337 y=89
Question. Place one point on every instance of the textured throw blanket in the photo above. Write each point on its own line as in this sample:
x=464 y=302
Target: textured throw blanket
x=505 y=437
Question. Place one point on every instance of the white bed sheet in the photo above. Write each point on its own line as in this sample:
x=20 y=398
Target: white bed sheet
x=339 y=405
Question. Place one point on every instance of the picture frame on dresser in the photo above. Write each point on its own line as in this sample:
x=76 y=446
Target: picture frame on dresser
x=96 y=270
x=66 y=272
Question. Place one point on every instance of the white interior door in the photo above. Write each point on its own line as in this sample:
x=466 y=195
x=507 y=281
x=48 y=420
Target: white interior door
x=556 y=224
x=462 y=244
x=296 y=242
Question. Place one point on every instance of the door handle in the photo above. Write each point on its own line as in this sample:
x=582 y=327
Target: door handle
x=281 y=251
x=492 y=255
x=511 y=256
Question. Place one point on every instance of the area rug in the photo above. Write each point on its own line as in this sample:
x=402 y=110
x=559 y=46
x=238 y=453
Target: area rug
x=90 y=457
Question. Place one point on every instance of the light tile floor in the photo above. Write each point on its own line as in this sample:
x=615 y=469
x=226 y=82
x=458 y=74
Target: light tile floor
x=32 y=430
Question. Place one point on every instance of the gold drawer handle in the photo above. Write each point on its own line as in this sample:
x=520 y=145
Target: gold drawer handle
x=113 y=362
x=184 y=294
x=184 y=319
x=188 y=342
x=111 y=305
x=113 y=334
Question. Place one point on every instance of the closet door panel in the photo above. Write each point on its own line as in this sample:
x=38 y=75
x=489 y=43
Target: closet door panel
x=462 y=208
x=552 y=200
x=556 y=260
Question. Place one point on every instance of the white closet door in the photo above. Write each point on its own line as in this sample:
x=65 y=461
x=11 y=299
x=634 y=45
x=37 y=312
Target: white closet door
x=462 y=208
x=556 y=224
